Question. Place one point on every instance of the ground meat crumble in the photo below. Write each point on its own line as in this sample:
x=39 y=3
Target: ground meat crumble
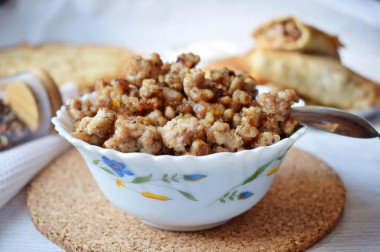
x=175 y=109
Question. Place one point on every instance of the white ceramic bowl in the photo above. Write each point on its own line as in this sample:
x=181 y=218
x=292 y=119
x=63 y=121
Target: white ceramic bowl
x=181 y=193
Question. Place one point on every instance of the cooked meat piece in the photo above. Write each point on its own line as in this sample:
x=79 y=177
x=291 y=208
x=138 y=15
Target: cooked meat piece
x=150 y=141
x=169 y=112
x=156 y=118
x=78 y=109
x=98 y=128
x=199 y=148
x=179 y=132
x=278 y=101
x=140 y=69
x=127 y=132
x=221 y=134
x=150 y=88
x=247 y=132
x=193 y=86
x=266 y=139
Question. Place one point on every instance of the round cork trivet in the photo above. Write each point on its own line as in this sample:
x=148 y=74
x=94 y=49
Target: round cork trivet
x=302 y=206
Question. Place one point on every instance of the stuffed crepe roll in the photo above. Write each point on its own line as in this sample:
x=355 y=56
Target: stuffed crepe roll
x=291 y=34
x=318 y=78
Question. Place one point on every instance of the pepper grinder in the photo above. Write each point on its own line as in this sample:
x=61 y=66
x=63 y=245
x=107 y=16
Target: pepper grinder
x=28 y=100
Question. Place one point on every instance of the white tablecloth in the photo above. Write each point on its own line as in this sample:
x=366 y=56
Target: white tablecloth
x=164 y=26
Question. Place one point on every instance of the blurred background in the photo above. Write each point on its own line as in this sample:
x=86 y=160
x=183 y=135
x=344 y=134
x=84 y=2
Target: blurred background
x=167 y=26
x=213 y=29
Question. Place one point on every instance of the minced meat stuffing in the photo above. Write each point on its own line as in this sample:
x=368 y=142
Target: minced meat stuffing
x=162 y=108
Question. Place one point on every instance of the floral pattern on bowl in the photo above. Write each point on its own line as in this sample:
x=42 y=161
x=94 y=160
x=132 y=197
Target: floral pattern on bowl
x=119 y=169
x=233 y=193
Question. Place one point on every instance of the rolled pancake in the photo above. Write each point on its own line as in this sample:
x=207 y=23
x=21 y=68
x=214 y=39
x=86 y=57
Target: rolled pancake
x=235 y=63
x=290 y=34
x=319 y=78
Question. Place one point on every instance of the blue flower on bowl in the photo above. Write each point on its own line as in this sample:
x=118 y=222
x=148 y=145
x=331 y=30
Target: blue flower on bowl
x=245 y=195
x=117 y=167
x=193 y=177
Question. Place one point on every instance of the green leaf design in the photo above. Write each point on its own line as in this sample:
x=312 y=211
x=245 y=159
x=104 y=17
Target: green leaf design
x=231 y=198
x=280 y=157
x=108 y=171
x=165 y=180
x=175 y=180
x=165 y=175
x=222 y=200
x=233 y=194
x=257 y=173
x=187 y=195
x=96 y=162
x=225 y=195
x=140 y=180
x=174 y=175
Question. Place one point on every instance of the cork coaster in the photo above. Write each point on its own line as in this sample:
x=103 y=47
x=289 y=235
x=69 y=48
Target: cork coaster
x=302 y=206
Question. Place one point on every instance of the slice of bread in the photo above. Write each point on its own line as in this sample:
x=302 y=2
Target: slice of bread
x=83 y=64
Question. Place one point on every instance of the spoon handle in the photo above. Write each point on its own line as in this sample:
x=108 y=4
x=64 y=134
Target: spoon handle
x=335 y=121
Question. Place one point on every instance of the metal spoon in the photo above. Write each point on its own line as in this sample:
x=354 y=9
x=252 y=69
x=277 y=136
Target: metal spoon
x=335 y=121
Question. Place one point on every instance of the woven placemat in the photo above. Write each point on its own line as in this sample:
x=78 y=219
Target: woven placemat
x=302 y=206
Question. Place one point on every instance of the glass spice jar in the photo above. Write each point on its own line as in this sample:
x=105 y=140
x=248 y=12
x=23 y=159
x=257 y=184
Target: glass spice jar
x=28 y=100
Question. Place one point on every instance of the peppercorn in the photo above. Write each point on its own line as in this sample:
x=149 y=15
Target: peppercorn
x=12 y=130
